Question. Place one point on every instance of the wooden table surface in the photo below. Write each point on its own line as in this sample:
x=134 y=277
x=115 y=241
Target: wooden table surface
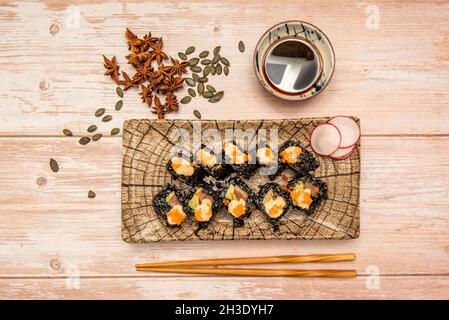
x=394 y=75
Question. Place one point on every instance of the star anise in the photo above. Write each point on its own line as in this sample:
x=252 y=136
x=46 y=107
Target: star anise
x=137 y=58
x=158 y=108
x=133 y=41
x=157 y=53
x=128 y=82
x=179 y=67
x=146 y=94
x=172 y=84
x=144 y=72
x=112 y=69
x=149 y=40
x=166 y=70
x=171 y=102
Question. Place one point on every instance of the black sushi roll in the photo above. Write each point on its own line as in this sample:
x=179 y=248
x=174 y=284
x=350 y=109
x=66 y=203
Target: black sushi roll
x=273 y=201
x=242 y=163
x=306 y=192
x=297 y=158
x=168 y=204
x=238 y=199
x=210 y=163
x=185 y=170
x=202 y=203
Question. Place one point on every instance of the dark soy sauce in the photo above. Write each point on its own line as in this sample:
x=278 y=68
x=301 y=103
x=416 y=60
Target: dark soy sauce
x=292 y=66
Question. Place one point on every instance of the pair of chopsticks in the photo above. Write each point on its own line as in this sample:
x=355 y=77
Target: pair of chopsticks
x=178 y=266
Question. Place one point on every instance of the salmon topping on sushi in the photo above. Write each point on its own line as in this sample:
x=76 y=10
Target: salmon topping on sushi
x=265 y=156
x=302 y=195
x=237 y=198
x=290 y=154
x=201 y=204
x=273 y=204
x=235 y=155
x=182 y=166
x=206 y=158
x=176 y=215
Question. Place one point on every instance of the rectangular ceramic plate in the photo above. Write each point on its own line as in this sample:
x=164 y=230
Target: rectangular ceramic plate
x=146 y=150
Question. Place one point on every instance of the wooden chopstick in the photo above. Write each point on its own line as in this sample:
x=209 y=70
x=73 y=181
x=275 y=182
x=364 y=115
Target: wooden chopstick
x=254 y=260
x=257 y=272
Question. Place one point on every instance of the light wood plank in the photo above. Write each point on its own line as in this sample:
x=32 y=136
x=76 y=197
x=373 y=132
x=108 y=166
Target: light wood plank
x=48 y=225
x=394 y=287
x=394 y=78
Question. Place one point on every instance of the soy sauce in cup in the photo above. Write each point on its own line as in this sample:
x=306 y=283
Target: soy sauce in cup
x=292 y=65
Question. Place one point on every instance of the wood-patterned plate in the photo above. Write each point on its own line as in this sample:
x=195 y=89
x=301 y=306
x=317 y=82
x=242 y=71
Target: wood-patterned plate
x=146 y=150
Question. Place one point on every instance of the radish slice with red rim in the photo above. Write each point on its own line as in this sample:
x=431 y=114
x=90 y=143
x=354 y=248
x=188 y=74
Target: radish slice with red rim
x=325 y=139
x=349 y=130
x=342 y=153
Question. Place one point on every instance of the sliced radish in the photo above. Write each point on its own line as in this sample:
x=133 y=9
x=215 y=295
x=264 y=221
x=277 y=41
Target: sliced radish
x=342 y=153
x=349 y=130
x=325 y=139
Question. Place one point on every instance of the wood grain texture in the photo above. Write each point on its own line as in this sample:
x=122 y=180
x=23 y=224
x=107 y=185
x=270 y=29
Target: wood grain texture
x=147 y=149
x=394 y=78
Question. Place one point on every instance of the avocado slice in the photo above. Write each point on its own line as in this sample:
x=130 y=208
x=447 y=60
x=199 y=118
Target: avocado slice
x=194 y=202
x=230 y=193
x=268 y=196
x=170 y=196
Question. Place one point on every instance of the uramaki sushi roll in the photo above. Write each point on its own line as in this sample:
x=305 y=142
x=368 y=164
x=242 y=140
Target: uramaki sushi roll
x=202 y=204
x=168 y=204
x=306 y=192
x=240 y=161
x=209 y=162
x=238 y=199
x=273 y=201
x=293 y=155
x=185 y=170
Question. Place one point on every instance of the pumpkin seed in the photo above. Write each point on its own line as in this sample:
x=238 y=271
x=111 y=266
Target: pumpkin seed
x=217 y=50
x=186 y=99
x=208 y=94
x=196 y=69
x=216 y=59
x=225 y=61
x=203 y=79
x=218 y=95
x=197 y=114
x=205 y=61
x=119 y=92
x=218 y=68
x=91 y=194
x=119 y=105
x=192 y=92
x=84 y=140
x=200 y=88
x=97 y=137
x=213 y=70
x=212 y=100
x=206 y=70
x=226 y=70
x=210 y=88
x=241 y=46
x=107 y=118
x=100 y=112
x=195 y=77
x=190 y=82
x=193 y=62
x=67 y=132
x=190 y=50
x=204 y=54
x=54 y=166
x=92 y=128
x=182 y=56
x=115 y=131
